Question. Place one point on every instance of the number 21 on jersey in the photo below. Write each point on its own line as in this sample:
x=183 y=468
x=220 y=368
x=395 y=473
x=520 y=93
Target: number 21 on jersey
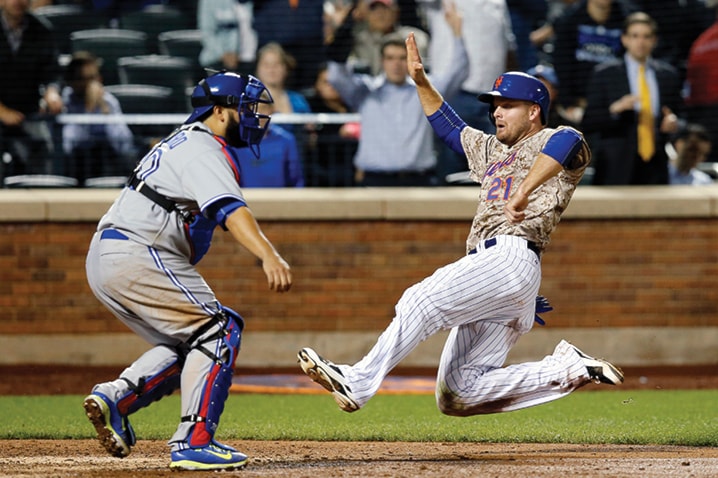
x=500 y=188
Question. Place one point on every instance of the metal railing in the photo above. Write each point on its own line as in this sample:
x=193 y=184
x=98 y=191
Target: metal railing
x=327 y=158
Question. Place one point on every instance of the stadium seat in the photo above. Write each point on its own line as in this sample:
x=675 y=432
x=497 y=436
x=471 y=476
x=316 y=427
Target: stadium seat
x=183 y=43
x=141 y=99
x=170 y=71
x=109 y=44
x=145 y=99
x=65 y=19
x=106 y=182
x=39 y=181
x=186 y=43
x=155 y=19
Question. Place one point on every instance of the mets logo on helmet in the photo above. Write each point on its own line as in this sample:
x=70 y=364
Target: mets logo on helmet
x=498 y=81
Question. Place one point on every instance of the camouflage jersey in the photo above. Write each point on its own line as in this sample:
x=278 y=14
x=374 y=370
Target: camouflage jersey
x=500 y=169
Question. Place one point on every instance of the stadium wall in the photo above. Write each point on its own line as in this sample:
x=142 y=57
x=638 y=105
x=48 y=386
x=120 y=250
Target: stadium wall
x=632 y=274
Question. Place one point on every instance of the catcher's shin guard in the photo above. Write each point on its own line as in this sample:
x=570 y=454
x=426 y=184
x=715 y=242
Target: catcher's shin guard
x=221 y=344
x=159 y=377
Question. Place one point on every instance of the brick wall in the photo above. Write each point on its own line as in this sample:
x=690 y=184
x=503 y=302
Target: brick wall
x=349 y=274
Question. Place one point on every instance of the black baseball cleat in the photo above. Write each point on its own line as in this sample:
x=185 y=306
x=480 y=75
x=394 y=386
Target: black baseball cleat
x=599 y=370
x=328 y=375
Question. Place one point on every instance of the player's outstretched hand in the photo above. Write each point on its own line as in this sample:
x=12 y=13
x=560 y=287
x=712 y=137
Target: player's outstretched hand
x=279 y=275
x=413 y=61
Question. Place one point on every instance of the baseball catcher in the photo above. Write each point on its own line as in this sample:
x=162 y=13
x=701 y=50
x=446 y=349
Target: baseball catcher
x=141 y=266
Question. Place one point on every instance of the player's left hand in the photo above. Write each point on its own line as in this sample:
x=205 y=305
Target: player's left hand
x=515 y=208
x=278 y=272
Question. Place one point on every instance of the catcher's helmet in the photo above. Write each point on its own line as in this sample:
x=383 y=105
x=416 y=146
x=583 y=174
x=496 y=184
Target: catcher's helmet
x=234 y=91
x=516 y=85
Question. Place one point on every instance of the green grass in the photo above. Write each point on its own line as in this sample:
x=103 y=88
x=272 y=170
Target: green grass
x=661 y=417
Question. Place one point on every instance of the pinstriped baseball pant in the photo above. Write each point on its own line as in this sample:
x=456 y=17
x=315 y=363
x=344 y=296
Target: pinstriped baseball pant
x=487 y=300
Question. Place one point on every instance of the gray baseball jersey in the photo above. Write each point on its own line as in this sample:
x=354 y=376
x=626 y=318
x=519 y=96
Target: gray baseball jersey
x=193 y=168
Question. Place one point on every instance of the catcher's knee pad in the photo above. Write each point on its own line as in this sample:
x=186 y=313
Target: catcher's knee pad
x=220 y=342
x=160 y=377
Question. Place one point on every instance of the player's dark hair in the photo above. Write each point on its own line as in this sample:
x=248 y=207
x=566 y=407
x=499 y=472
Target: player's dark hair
x=205 y=115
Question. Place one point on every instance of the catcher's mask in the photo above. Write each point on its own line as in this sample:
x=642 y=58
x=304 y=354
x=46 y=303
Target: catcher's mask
x=516 y=85
x=234 y=91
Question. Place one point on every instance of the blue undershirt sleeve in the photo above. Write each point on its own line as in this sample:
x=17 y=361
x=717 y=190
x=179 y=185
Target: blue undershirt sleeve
x=563 y=146
x=448 y=125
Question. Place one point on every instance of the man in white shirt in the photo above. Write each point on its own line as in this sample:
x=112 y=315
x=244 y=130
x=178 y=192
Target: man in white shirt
x=490 y=45
x=396 y=145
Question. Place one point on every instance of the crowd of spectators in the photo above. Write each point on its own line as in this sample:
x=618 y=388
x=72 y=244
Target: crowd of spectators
x=347 y=56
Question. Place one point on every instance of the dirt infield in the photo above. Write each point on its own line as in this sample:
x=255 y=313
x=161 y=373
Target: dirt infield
x=85 y=458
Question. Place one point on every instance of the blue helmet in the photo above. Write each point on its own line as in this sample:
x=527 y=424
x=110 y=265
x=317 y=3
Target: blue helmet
x=234 y=91
x=517 y=85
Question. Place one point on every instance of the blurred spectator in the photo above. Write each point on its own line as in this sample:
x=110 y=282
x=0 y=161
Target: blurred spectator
x=28 y=86
x=543 y=36
x=330 y=147
x=365 y=29
x=587 y=34
x=93 y=150
x=490 y=47
x=278 y=164
x=526 y=16
x=679 y=24
x=691 y=148
x=274 y=68
x=702 y=81
x=547 y=75
x=632 y=103
x=297 y=25
x=228 y=40
x=396 y=144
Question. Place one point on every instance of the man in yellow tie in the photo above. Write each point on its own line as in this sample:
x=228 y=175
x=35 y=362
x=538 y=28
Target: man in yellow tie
x=633 y=103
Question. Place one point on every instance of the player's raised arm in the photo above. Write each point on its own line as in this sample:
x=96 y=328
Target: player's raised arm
x=445 y=122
